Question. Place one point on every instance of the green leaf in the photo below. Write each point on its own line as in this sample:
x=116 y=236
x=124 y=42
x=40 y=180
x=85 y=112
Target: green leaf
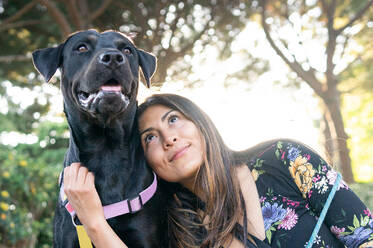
x=343 y=212
x=279 y=145
x=269 y=235
x=351 y=228
x=277 y=223
x=364 y=220
x=356 y=222
x=278 y=243
x=277 y=152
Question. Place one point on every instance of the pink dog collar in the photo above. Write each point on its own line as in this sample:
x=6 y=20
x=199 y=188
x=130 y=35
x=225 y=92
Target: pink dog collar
x=123 y=207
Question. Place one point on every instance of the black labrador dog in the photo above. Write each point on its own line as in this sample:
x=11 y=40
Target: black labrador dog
x=99 y=83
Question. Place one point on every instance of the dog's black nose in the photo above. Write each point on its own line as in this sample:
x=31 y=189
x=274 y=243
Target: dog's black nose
x=112 y=58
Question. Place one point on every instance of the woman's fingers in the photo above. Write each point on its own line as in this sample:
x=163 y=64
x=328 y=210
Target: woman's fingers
x=79 y=186
x=81 y=176
x=75 y=179
x=90 y=179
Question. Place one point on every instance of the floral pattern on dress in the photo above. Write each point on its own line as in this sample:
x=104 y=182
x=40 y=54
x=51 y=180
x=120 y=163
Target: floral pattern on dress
x=257 y=171
x=290 y=164
x=361 y=230
x=276 y=215
x=300 y=169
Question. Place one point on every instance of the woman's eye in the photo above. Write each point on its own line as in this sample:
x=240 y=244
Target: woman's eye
x=149 y=138
x=82 y=48
x=126 y=51
x=173 y=119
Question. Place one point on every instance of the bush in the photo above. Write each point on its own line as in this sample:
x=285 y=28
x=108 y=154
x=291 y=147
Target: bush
x=29 y=186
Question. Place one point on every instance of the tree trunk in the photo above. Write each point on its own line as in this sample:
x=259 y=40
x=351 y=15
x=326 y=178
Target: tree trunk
x=335 y=121
x=326 y=135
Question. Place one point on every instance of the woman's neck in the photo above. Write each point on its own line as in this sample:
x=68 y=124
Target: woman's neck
x=191 y=185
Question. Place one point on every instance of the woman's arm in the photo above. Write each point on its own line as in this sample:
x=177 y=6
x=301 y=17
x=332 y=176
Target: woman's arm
x=81 y=192
x=348 y=218
x=255 y=223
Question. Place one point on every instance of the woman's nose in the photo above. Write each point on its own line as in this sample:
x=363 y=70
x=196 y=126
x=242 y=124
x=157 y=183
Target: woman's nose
x=170 y=141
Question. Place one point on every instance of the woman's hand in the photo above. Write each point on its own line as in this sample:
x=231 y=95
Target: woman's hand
x=80 y=190
x=79 y=186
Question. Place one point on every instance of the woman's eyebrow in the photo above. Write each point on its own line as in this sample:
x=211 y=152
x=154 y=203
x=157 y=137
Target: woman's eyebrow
x=146 y=130
x=162 y=119
x=165 y=115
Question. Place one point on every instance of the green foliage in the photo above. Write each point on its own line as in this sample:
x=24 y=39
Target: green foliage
x=29 y=186
x=358 y=112
x=169 y=29
x=357 y=106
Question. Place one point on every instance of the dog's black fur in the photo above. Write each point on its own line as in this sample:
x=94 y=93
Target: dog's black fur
x=104 y=136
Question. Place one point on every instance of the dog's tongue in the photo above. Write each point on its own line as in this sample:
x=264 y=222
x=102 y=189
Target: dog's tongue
x=111 y=88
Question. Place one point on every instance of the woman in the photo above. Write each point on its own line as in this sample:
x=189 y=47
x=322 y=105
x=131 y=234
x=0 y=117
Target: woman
x=219 y=202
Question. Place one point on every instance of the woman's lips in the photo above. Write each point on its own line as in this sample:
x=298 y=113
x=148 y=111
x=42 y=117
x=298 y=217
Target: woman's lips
x=180 y=153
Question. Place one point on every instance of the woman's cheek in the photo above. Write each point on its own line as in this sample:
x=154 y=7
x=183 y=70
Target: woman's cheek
x=152 y=156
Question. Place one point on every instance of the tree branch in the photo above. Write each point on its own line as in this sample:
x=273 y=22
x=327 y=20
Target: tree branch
x=358 y=15
x=100 y=10
x=330 y=47
x=74 y=13
x=158 y=35
x=307 y=76
x=20 y=12
x=18 y=24
x=58 y=16
x=347 y=37
x=84 y=12
x=357 y=58
x=173 y=26
x=14 y=58
x=189 y=46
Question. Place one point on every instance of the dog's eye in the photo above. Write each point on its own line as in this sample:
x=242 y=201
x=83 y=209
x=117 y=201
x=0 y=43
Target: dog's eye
x=82 y=48
x=126 y=51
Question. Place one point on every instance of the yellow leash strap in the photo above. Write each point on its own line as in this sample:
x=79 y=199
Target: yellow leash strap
x=84 y=241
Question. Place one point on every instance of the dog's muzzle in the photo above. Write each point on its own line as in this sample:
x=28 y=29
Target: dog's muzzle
x=108 y=99
x=86 y=99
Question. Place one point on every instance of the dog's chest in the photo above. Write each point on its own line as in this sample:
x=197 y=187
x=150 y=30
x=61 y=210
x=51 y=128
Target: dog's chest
x=111 y=169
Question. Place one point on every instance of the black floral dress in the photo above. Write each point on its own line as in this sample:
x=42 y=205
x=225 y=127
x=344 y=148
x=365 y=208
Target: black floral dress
x=294 y=183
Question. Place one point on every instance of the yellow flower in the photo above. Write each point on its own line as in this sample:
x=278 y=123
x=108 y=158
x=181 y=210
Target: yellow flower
x=255 y=174
x=3 y=216
x=4 y=206
x=33 y=189
x=4 y=193
x=6 y=174
x=23 y=163
x=12 y=225
x=302 y=172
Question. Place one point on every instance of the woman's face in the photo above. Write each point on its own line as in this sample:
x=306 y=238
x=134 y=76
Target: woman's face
x=172 y=144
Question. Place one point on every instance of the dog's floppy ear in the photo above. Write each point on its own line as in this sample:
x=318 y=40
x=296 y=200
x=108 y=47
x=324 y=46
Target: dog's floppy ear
x=148 y=65
x=48 y=60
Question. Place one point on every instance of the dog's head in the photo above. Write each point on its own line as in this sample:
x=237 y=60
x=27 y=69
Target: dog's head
x=99 y=71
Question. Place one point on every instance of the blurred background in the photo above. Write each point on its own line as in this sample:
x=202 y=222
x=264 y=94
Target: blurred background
x=298 y=69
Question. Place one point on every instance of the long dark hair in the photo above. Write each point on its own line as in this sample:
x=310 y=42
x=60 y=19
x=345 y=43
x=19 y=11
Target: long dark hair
x=222 y=205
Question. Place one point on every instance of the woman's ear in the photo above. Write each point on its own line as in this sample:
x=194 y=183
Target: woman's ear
x=148 y=65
